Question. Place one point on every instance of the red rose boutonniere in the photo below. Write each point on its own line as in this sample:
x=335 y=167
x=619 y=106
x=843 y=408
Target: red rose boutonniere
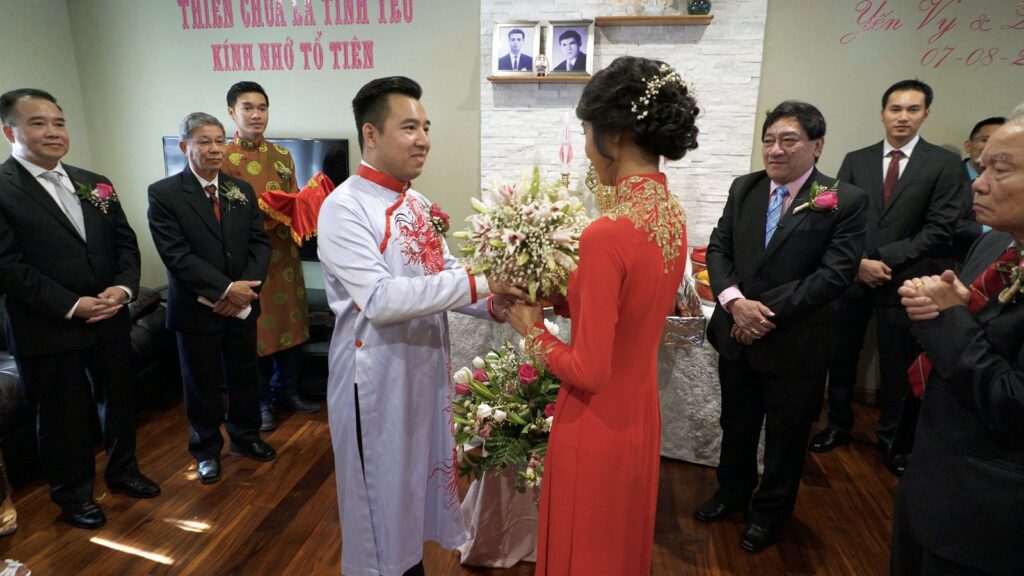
x=100 y=195
x=823 y=198
x=438 y=219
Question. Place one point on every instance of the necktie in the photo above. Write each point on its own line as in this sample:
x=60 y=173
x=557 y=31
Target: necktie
x=211 y=193
x=984 y=288
x=515 y=63
x=892 y=175
x=68 y=202
x=774 y=213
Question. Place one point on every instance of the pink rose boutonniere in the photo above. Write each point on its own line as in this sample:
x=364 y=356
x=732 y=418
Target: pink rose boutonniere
x=823 y=198
x=439 y=220
x=101 y=195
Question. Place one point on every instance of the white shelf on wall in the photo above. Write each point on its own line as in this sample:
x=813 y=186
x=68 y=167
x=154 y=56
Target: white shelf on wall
x=679 y=20
x=567 y=79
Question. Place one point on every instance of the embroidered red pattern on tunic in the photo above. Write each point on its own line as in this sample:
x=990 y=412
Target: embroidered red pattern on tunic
x=420 y=243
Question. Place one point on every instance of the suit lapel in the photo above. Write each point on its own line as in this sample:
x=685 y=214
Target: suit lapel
x=755 y=213
x=791 y=221
x=917 y=159
x=24 y=181
x=196 y=197
x=90 y=214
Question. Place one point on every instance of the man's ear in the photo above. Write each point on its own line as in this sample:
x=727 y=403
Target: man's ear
x=9 y=133
x=183 y=146
x=370 y=135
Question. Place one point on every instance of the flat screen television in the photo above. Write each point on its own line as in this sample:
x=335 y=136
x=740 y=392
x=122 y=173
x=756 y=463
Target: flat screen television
x=311 y=155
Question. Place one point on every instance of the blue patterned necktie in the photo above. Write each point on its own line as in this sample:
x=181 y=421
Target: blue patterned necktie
x=774 y=213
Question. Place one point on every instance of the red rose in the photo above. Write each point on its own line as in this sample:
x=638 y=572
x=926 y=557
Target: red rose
x=527 y=374
x=462 y=389
x=826 y=200
x=549 y=410
x=104 y=191
x=480 y=376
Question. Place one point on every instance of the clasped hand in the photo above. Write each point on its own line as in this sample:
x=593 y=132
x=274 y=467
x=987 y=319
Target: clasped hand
x=104 y=305
x=874 y=273
x=750 y=320
x=925 y=296
x=512 y=304
x=239 y=295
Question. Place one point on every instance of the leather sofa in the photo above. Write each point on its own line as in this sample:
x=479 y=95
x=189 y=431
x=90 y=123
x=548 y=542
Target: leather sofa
x=157 y=384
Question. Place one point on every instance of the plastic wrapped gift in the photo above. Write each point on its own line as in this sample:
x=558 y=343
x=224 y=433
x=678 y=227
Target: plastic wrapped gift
x=686 y=328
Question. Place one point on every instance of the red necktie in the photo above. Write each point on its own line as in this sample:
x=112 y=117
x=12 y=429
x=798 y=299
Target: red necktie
x=984 y=288
x=892 y=175
x=211 y=193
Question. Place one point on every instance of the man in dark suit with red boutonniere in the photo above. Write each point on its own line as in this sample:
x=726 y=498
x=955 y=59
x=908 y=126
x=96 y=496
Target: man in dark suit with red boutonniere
x=787 y=244
x=208 y=231
x=69 y=263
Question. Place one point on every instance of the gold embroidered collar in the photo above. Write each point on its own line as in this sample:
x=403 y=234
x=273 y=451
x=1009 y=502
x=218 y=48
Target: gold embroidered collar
x=646 y=201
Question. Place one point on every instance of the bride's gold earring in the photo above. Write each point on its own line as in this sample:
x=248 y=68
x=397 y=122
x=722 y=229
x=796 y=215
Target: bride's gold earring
x=605 y=194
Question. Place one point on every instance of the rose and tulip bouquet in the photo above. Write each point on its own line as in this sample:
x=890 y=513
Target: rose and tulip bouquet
x=503 y=409
x=526 y=235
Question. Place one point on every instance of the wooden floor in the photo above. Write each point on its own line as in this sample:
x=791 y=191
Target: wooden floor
x=281 y=517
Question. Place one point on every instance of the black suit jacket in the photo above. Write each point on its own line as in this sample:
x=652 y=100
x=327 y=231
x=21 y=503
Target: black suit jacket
x=811 y=260
x=525 y=62
x=579 y=66
x=965 y=485
x=913 y=235
x=203 y=256
x=45 y=266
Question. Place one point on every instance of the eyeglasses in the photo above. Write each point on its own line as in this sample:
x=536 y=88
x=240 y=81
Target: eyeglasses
x=787 y=142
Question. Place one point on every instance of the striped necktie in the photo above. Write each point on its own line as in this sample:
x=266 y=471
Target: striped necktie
x=774 y=213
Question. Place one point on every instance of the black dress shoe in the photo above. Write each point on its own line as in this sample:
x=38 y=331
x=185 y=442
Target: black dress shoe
x=295 y=403
x=713 y=511
x=756 y=538
x=137 y=486
x=897 y=464
x=828 y=439
x=257 y=450
x=267 y=421
x=209 y=471
x=88 y=516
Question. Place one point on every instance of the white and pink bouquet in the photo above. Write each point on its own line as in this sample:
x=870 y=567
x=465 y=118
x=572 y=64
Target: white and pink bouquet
x=526 y=234
x=503 y=408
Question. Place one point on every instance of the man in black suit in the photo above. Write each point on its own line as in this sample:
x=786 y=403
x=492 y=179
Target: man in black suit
x=208 y=231
x=915 y=190
x=575 y=60
x=776 y=261
x=515 y=59
x=960 y=506
x=69 y=262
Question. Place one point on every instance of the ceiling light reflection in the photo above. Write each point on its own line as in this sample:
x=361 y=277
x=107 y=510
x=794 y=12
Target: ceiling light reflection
x=189 y=525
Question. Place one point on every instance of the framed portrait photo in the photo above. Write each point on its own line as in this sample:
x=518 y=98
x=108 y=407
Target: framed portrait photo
x=570 y=47
x=515 y=47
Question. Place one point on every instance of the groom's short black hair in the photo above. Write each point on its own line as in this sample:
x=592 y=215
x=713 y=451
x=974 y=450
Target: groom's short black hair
x=371 y=102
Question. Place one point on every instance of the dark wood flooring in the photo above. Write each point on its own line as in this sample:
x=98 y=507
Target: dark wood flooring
x=281 y=517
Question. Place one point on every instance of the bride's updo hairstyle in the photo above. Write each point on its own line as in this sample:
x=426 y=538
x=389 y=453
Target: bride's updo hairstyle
x=646 y=99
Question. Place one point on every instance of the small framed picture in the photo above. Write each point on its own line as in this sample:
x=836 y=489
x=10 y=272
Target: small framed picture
x=570 y=45
x=516 y=45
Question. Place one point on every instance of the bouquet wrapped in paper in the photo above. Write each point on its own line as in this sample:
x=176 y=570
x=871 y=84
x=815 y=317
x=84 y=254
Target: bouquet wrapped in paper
x=503 y=408
x=526 y=234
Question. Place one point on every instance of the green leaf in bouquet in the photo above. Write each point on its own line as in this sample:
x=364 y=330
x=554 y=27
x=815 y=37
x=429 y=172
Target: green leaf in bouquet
x=481 y=389
x=522 y=259
x=461 y=235
x=481 y=268
x=535 y=183
x=516 y=419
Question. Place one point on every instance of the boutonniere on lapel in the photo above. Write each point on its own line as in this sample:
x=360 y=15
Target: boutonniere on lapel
x=823 y=198
x=439 y=220
x=282 y=172
x=1014 y=274
x=233 y=194
x=100 y=195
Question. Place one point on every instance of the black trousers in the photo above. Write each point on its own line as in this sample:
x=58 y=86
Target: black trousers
x=207 y=361
x=786 y=405
x=897 y=349
x=68 y=390
x=279 y=374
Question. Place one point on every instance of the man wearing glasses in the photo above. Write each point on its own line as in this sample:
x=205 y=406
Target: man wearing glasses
x=915 y=189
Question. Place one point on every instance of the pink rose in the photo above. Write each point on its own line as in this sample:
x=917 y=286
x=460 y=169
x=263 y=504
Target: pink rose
x=462 y=389
x=104 y=191
x=480 y=376
x=826 y=200
x=527 y=374
x=549 y=410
